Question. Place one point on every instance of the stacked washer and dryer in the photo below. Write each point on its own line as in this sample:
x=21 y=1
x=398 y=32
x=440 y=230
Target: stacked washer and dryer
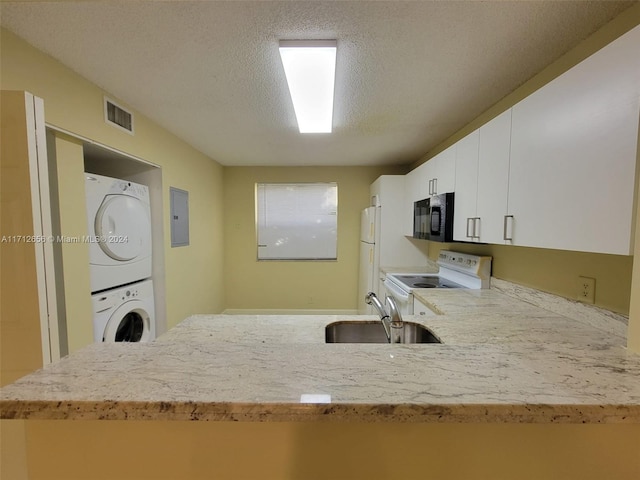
x=119 y=220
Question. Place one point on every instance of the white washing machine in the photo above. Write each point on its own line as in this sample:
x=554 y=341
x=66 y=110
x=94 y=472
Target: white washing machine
x=119 y=220
x=124 y=314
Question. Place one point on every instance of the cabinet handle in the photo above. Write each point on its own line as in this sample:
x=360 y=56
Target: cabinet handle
x=435 y=186
x=430 y=187
x=469 y=220
x=508 y=225
x=476 y=227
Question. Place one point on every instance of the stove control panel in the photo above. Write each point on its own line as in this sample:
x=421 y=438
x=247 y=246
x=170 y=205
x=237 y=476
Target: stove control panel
x=475 y=265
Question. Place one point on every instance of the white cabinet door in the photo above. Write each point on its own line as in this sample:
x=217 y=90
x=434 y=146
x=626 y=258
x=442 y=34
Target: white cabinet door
x=573 y=154
x=465 y=220
x=430 y=168
x=392 y=247
x=441 y=172
x=482 y=182
x=416 y=186
x=493 y=179
x=410 y=180
x=421 y=189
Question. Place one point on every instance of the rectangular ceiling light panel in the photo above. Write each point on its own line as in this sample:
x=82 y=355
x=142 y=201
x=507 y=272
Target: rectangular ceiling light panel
x=310 y=67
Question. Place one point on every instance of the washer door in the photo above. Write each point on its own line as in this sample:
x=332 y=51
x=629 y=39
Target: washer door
x=129 y=323
x=122 y=226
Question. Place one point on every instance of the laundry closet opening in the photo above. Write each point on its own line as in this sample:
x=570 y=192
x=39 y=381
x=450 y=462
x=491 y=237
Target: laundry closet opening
x=124 y=199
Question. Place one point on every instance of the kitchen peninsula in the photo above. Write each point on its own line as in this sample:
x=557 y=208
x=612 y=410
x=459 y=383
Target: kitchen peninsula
x=503 y=361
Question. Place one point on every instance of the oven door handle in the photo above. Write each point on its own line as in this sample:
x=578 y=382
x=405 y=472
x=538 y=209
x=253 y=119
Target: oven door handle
x=397 y=293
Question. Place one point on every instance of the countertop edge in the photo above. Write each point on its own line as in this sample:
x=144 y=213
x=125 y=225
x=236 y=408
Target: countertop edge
x=302 y=412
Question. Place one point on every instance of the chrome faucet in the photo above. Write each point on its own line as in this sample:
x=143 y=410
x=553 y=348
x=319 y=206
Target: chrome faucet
x=392 y=321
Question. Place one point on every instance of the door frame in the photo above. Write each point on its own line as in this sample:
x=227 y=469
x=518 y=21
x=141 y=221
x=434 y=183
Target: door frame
x=42 y=228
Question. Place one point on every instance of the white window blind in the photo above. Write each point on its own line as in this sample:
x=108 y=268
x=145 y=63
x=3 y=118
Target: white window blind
x=297 y=221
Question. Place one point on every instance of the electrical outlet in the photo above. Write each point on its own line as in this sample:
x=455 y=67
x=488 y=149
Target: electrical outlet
x=586 y=289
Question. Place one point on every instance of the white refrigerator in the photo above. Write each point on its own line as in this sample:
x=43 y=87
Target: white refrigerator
x=368 y=276
x=382 y=243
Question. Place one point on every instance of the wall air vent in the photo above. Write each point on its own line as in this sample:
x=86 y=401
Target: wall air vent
x=118 y=116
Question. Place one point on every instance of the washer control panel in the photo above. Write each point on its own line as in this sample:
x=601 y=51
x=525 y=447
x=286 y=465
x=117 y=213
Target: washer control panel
x=129 y=293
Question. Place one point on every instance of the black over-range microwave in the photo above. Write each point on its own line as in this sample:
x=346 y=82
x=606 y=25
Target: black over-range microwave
x=433 y=218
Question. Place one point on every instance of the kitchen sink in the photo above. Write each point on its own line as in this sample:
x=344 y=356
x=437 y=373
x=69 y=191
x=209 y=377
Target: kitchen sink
x=373 y=332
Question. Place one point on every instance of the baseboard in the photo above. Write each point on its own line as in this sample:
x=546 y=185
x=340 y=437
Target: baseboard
x=274 y=311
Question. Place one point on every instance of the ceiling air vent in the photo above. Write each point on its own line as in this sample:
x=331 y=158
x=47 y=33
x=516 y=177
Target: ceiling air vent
x=118 y=116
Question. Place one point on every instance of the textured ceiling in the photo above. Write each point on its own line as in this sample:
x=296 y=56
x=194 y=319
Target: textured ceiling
x=409 y=74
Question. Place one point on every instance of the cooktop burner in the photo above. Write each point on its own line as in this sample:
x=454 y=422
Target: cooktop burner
x=426 y=281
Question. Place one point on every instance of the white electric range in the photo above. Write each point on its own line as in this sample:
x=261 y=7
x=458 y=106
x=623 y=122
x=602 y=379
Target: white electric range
x=457 y=270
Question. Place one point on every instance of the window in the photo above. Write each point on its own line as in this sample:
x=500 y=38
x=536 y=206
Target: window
x=297 y=221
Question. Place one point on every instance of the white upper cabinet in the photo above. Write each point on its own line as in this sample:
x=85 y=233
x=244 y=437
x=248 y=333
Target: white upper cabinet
x=493 y=179
x=441 y=172
x=573 y=155
x=413 y=191
x=482 y=182
x=465 y=226
x=420 y=183
x=558 y=170
x=432 y=177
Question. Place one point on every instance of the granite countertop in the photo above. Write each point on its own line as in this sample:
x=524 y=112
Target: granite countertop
x=504 y=358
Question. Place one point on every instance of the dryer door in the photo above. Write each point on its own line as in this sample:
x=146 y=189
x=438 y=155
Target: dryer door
x=129 y=323
x=123 y=227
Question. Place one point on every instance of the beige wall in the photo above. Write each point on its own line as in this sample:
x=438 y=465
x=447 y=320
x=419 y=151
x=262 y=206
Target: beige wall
x=293 y=285
x=194 y=280
x=75 y=105
x=330 y=450
x=19 y=307
x=20 y=338
x=555 y=271
x=69 y=163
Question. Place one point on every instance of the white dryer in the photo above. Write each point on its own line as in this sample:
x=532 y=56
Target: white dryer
x=119 y=220
x=125 y=314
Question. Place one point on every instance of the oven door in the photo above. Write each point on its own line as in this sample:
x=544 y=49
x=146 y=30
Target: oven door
x=403 y=299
